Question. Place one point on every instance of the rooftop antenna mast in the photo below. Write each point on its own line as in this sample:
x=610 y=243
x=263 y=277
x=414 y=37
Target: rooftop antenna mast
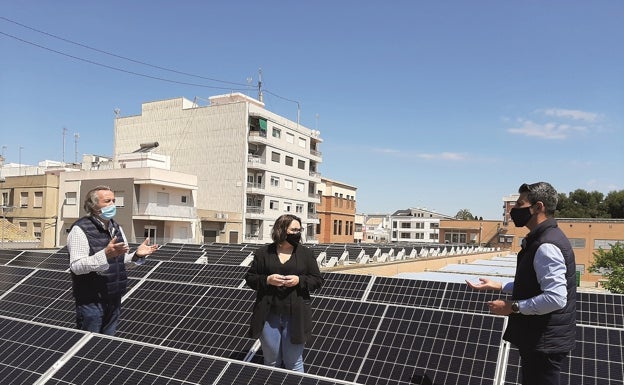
x=260 y=85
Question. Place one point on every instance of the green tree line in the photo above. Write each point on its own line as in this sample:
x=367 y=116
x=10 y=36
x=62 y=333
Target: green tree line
x=594 y=204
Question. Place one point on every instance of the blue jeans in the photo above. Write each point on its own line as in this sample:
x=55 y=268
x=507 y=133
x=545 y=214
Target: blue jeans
x=98 y=317
x=276 y=346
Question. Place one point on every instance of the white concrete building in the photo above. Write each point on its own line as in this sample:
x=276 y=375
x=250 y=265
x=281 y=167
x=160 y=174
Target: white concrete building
x=151 y=200
x=416 y=225
x=251 y=165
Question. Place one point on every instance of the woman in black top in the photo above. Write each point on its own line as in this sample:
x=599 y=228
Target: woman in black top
x=283 y=274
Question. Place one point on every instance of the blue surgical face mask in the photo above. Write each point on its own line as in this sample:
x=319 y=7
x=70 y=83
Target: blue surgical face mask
x=108 y=212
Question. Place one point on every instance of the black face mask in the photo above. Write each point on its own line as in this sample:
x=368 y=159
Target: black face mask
x=293 y=239
x=520 y=215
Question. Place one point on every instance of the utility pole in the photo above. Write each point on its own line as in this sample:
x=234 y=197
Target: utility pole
x=76 y=137
x=64 y=133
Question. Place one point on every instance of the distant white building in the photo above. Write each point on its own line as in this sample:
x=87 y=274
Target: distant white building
x=416 y=225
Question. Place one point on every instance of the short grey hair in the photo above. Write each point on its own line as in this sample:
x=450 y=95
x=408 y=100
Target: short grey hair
x=541 y=192
x=91 y=200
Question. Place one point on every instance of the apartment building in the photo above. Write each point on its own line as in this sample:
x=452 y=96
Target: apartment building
x=252 y=165
x=29 y=202
x=336 y=212
x=416 y=225
x=151 y=200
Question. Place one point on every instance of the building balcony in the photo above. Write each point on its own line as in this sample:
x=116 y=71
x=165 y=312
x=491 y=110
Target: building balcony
x=255 y=212
x=255 y=188
x=255 y=161
x=315 y=174
x=257 y=137
x=170 y=212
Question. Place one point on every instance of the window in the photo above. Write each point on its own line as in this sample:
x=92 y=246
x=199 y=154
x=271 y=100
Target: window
x=23 y=226
x=119 y=200
x=301 y=164
x=605 y=243
x=5 y=199
x=275 y=181
x=577 y=243
x=318 y=227
x=290 y=138
x=162 y=199
x=183 y=199
x=287 y=206
x=299 y=208
x=275 y=156
x=300 y=186
x=339 y=227
x=274 y=205
x=302 y=142
x=406 y=225
x=335 y=227
x=405 y=235
x=24 y=199
x=37 y=229
x=276 y=132
x=38 y=202
x=288 y=184
x=70 y=198
x=289 y=160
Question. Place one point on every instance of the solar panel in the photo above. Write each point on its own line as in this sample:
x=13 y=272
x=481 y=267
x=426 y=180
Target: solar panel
x=155 y=308
x=30 y=259
x=9 y=276
x=7 y=255
x=217 y=324
x=338 y=285
x=407 y=292
x=458 y=296
x=105 y=361
x=176 y=271
x=256 y=375
x=221 y=275
x=342 y=332
x=142 y=270
x=600 y=309
x=597 y=359
x=427 y=346
x=29 y=350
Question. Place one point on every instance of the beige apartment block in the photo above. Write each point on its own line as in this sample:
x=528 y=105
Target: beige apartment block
x=252 y=165
x=151 y=202
x=336 y=212
x=416 y=225
x=29 y=202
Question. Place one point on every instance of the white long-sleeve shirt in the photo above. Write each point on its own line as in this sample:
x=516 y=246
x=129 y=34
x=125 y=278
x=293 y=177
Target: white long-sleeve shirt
x=80 y=262
x=550 y=269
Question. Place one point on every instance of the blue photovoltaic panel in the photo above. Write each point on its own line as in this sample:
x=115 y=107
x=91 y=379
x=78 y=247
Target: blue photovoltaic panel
x=217 y=324
x=409 y=292
x=182 y=272
x=342 y=333
x=7 y=255
x=155 y=308
x=29 y=350
x=458 y=296
x=426 y=346
x=252 y=375
x=349 y=286
x=143 y=270
x=597 y=359
x=221 y=275
x=600 y=309
x=104 y=361
x=9 y=276
x=46 y=296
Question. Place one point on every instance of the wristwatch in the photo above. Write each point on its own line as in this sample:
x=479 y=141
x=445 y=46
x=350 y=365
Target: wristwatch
x=515 y=308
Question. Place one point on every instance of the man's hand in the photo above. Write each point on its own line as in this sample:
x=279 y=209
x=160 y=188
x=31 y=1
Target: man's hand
x=115 y=249
x=145 y=249
x=500 y=307
x=486 y=284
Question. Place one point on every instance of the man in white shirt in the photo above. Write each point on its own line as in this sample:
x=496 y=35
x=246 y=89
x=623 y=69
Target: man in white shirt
x=98 y=257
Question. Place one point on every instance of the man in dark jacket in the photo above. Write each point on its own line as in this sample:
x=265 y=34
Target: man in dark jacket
x=542 y=320
x=98 y=256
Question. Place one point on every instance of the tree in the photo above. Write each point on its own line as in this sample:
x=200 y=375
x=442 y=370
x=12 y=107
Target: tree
x=614 y=203
x=464 y=214
x=611 y=264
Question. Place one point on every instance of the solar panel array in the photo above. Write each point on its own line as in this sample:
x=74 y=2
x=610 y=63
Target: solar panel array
x=187 y=323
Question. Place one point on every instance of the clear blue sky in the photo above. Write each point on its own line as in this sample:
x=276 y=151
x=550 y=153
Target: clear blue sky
x=442 y=105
